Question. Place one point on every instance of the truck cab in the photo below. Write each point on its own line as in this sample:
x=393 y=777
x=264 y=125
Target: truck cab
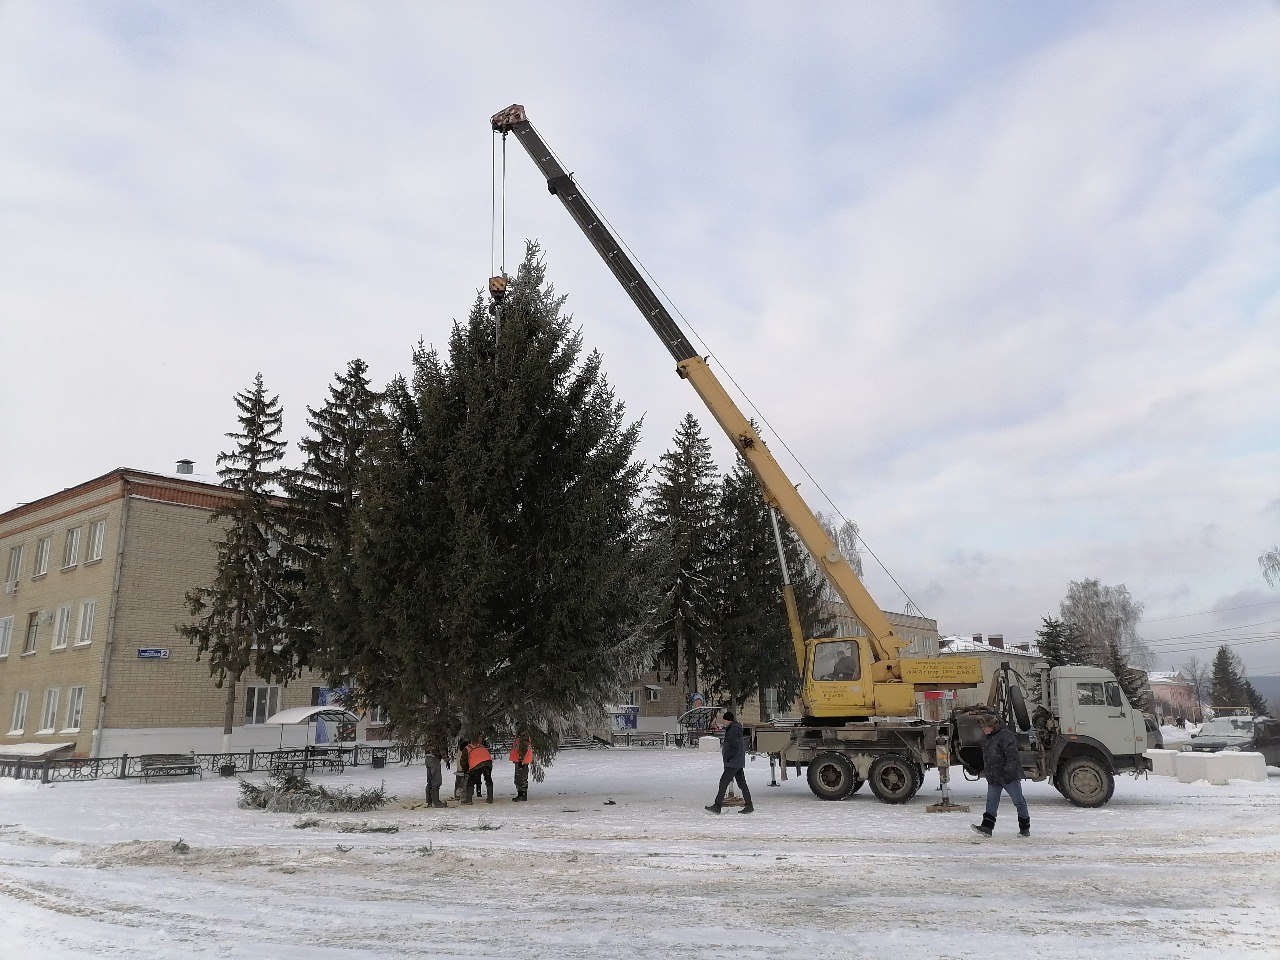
x=1092 y=709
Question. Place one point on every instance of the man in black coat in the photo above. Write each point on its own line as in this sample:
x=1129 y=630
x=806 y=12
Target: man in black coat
x=734 y=752
x=1002 y=767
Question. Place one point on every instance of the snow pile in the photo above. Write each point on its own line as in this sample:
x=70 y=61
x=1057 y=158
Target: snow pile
x=1165 y=870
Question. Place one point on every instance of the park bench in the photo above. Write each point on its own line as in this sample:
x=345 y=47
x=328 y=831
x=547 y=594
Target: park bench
x=169 y=765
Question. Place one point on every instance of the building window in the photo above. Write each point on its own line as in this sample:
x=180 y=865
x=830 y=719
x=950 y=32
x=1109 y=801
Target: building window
x=653 y=694
x=631 y=698
x=19 y=720
x=6 y=635
x=62 y=627
x=33 y=633
x=42 y=558
x=85 y=633
x=378 y=716
x=97 y=533
x=260 y=703
x=75 y=707
x=71 y=552
x=15 y=570
x=49 y=715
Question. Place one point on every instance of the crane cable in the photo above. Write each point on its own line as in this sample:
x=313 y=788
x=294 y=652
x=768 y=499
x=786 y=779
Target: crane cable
x=497 y=224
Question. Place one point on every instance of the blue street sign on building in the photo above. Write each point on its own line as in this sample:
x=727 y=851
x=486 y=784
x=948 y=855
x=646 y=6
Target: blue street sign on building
x=153 y=653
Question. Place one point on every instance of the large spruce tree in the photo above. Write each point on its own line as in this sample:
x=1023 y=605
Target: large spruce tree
x=323 y=494
x=498 y=560
x=680 y=523
x=1057 y=642
x=1230 y=685
x=245 y=619
x=751 y=649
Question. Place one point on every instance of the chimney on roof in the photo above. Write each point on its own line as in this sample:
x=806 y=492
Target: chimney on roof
x=1024 y=647
x=185 y=466
x=996 y=640
x=977 y=638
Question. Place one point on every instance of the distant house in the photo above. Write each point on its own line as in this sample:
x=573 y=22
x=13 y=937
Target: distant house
x=1173 y=696
x=991 y=650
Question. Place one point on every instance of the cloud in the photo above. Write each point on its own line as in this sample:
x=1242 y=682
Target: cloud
x=1005 y=281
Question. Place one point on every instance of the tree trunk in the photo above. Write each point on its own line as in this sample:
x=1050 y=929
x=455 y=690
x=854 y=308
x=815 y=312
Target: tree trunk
x=229 y=716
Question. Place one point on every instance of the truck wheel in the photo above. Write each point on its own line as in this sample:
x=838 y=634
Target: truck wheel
x=893 y=779
x=831 y=776
x=1086 y=782
x=1019 y=704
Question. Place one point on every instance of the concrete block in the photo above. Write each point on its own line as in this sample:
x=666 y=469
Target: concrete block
x=1191 y=767
x=709 y=744
x=1162 y=762
x=1243 y=766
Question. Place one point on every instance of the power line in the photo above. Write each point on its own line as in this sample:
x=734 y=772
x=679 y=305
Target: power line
x=1209 y=633
x=1205 y=613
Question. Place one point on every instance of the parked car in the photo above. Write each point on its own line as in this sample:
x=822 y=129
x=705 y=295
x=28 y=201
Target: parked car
x=1155 y=739
x=1249 y=734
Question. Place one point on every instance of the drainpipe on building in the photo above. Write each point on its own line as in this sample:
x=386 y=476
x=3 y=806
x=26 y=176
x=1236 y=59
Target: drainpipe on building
x=96 y=750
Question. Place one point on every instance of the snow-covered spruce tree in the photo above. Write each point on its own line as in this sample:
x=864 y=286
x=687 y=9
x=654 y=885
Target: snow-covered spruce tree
x=498 y=560
x=322 y=497
x=750 y=649
x=1225 y=688
x=680 y=524
x=1057 y=643
x=243 y=619
x=1231 y=686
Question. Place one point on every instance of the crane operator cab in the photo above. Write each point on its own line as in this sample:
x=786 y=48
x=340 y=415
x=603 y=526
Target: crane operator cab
x=834 y=686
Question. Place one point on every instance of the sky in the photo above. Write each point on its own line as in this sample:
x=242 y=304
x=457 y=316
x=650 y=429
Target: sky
x=1005 y=278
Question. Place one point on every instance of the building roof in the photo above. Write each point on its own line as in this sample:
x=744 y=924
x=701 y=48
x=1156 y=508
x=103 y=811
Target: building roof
x=1169 y=676
x=969 y=645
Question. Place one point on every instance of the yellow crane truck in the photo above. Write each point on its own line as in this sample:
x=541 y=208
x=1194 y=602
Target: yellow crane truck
x=858 y=693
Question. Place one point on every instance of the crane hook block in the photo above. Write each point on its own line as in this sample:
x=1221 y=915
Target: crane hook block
x=498 y=288
x=504 y=120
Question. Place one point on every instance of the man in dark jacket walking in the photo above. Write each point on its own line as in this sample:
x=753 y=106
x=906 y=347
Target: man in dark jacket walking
x=1002 y=767
x=734 y=752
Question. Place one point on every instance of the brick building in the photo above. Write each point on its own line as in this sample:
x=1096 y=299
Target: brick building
x=94 y=580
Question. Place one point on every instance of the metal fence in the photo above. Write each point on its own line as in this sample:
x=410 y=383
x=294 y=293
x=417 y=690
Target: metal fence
x=74 y=769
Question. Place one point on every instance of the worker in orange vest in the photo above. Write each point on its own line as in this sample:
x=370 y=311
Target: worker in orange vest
x=522 y=756
x=479 y=766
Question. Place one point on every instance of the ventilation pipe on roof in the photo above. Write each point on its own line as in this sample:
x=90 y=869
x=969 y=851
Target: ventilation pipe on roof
x=185 y=466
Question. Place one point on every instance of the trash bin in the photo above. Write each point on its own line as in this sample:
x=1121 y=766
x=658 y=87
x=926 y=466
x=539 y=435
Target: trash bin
x=227 y=770
x=379 y=761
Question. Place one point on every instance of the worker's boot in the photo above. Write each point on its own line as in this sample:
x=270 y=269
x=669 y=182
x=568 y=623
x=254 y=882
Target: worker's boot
x=748 y=809
x=712 y=808
x=987 y=825
x=1024 y=826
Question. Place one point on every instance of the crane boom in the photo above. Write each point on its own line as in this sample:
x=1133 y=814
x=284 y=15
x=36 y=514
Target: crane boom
x=779 y=492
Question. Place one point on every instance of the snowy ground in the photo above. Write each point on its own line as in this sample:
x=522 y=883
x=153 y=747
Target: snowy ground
x=1165 y=870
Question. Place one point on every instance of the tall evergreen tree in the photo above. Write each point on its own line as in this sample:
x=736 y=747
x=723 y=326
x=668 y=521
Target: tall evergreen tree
x=498 y=559
x=1225 y=687
x=751 y=649
x=680 y=522
x=244 y=618
x=323 y=494
x=1057 y=642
